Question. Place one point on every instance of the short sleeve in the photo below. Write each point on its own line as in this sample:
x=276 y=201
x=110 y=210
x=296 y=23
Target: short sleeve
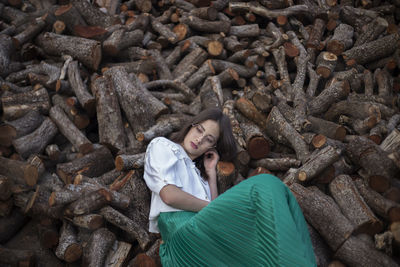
x=160 y=165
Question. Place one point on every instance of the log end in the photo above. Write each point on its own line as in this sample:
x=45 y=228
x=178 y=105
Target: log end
x=119 y=163
x=340 y=133
x=96 y=56
x=143 y=260
x=335 y=47
x=81 y=121
x=62 y=9
x=181 y=30
x=89 y=32
x=140 y=136
x=259 y=170
x=291 y=50
x=379 y=183
x=49 y=238
x=52 y=199
x=393 y=194
x=215 y=48
x=371 y=228
x=318 y=141
x=323 y=71
x=225 y=168
x=377 y=139
x=302 y=176
x=7 y=134
x=31 y=175
x=86 y=148
x=258 y=147
x=73 y=253
x=394 y=214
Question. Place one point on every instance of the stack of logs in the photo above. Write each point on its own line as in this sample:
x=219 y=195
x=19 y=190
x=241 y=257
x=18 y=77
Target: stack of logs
x=311 y=89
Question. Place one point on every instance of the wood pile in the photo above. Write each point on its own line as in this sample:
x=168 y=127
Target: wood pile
x=311 y=89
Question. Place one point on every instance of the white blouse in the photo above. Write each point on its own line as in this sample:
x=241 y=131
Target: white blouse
x=166 y=162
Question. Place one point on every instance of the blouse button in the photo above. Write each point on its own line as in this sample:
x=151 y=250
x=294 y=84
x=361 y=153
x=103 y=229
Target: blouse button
x=207 y=197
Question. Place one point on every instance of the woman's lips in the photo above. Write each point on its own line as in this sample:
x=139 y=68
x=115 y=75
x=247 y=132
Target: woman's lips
x=193 y=145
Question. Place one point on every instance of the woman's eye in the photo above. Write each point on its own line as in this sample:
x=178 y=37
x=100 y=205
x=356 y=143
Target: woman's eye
x=210 y=140
x=199 y=130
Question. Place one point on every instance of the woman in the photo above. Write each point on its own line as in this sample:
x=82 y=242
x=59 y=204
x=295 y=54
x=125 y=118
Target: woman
x=255 y=223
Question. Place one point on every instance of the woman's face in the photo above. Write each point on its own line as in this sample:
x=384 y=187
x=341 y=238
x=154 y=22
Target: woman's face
x=201 y=138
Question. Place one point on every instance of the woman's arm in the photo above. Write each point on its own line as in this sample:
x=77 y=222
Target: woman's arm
x=175 y=197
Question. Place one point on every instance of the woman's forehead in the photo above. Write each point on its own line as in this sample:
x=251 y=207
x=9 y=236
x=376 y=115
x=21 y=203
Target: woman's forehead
x=211 y=127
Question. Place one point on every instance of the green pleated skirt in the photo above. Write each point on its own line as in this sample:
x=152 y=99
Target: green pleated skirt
x=255 y=223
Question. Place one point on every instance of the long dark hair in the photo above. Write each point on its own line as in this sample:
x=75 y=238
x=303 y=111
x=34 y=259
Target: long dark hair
x=226 y=145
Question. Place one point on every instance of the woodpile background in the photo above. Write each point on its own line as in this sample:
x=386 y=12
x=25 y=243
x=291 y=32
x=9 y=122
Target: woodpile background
x=311 y=88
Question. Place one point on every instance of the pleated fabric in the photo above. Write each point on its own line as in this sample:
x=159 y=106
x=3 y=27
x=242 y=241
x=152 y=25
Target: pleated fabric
x=255 y=223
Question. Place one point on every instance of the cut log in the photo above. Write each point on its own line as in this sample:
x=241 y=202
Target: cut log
x=70 y=131
x=341 y=40
x=259 y=9
x=16 y=257
x=85 y=50
x=140 y=107
x=314 y=41
x=17 y=105
x=6 y=51
x=391 y=142
x=118 y=256
x=372 y=31
x=278 y=128
x=353 y=206
x=11 y=224
x=92 y=164
x=89 y=221
x=386 y=208
x=165 y=125
x=128 y=162
x=70 y=16
x=175 y=84
x=371 y=51
x=323 y=214
x=355 y=252
x=122 y=39
x=5 y=188
x=19 y=171
x=109 y=118
x=196 y=57
x=327 y=128
x=79 y=117
x=35 y=142
x=88 y=203
x=326 y=63
x=20 y=127
x=228 y=110
x=336 y=90
x=68 y=248
x=357 y=110
x=318 y=161
x=257 y=144
x=276 y=164
x=373 y=159
x=86 y=100
x=202 y=25
x=48 y=235
x=97 y=248
x=248 y=109
x=133 y=230
x=225 y=176
x=93 y=15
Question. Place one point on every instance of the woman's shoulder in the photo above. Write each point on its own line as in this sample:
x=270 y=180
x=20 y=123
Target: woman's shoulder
x=162 y=144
